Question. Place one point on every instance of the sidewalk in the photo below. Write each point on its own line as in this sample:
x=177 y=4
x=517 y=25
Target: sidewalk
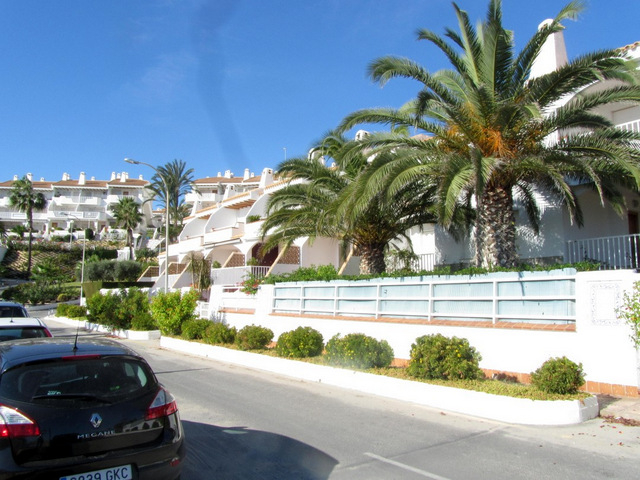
x=624 y=410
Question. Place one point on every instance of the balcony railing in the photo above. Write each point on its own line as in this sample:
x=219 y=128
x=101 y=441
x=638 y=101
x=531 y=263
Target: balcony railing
x=613 y=253
x=235 y=275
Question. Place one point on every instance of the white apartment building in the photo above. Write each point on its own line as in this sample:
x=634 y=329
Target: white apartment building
x=79 y=203
x=224 y=223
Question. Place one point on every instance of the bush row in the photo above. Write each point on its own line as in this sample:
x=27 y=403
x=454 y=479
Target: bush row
x=431 y=357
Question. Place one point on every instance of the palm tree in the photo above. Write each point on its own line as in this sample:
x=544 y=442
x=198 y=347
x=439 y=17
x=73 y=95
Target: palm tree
x=27 y=201
x=128 y=216
x=497 y=135
x=178 y=180
x=311 y=205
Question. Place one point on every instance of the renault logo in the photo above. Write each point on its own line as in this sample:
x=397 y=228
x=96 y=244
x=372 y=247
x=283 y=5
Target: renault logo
x=96 y=420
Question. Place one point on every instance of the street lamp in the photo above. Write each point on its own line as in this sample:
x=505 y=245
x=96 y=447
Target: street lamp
x=166 y=228
x=84 y=248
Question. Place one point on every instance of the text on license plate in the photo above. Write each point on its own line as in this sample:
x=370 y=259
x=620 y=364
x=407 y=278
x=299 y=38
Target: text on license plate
x=114 y=473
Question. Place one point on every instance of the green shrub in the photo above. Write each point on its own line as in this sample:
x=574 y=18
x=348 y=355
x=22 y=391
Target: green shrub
x=119 y=310
x=357 y=350
x=142 y=321
x=100 y=270
x=299 y=343
x=253 y=337
x=37 y=293
x=102 y=308
x=440 y=357
x=171 y=310
x=218 y=332
x=194 y=329
x=558 y=375
x=65 y=297
x=630 y=312
x=61 y=310
x=127 y=270
x=71 y=311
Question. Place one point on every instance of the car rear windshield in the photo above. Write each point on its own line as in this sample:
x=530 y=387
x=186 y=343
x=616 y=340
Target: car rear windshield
x=8 y=311
x=24 y=332
x=103 y=379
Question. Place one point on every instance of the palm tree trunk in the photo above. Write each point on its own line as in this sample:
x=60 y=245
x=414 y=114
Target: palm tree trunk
x=496 y=229
x=372 y=259
x=29 y=250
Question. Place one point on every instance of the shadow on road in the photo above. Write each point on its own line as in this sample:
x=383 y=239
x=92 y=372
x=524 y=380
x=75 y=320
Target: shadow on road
x=241 y=453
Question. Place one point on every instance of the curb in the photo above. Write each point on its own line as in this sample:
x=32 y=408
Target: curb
x=468 y=402
x=94 y=327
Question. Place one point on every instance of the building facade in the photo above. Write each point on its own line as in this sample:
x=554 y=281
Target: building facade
x=78 y=204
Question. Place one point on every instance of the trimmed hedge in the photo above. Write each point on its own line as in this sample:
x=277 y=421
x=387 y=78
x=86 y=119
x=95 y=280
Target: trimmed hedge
x=358 y=350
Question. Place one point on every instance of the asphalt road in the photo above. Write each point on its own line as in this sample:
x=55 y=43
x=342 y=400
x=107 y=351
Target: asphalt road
x=243 y=424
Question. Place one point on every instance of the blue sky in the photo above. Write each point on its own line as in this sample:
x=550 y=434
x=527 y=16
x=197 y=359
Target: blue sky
x=221 y=84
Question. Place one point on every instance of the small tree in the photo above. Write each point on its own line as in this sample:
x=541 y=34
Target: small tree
x=128 y=216
x=27 y=201
x=630 y=312
x=171 y=310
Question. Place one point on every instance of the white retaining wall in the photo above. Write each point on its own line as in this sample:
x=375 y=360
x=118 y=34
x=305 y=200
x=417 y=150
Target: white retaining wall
x=601 y=341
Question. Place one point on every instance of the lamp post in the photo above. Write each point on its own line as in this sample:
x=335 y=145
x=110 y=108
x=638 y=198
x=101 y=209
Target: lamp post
x=166 y=228
x=84 y=248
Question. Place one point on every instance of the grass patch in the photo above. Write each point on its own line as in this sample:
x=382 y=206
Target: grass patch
x=495 y=387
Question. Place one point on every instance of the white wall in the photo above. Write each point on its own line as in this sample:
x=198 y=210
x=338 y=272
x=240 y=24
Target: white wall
x=601 y=341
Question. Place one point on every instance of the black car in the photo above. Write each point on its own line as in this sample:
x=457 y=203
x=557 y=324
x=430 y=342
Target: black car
x=85 y=409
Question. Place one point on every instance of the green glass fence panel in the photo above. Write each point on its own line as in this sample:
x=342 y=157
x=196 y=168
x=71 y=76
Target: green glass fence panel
x=545 y=308
x=357 y=291
x=478 y=307
x=361 y=307
x=318 y=305
x=287 y=292
x=463 y=290
x=536 y=289
x=322 y=292
x=400 y=306
x=408 y=291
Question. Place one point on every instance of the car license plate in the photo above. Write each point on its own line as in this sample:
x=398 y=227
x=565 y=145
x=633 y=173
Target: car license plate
x=114 y=473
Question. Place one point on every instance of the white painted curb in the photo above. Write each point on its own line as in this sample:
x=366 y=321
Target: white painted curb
x=468 y=402
x=94 y=327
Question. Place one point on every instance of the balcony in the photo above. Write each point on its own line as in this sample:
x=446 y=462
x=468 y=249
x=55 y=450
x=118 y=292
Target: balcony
x=76 y=200
x=612 y=253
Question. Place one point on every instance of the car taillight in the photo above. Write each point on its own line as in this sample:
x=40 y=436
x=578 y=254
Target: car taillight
x=163 y=405
x=14 y=424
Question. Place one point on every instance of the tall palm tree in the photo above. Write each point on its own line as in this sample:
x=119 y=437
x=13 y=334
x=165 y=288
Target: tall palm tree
x=179 y=181
x=311 y=205
x=128 y=216
x=26 y=200
x=497 y=135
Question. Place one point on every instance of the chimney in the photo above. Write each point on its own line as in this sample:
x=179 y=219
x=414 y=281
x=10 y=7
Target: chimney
x=65 y=176
x=140 y=177
x=113 y=176
x=83 y=179
x=553 y=53
x=228 y=174
x=246 y=174
x=15 y=177
x=266 y=178
x=123 y=177
x=30 y=177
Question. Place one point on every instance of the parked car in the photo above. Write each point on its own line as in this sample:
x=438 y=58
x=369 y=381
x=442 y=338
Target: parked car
x=85 y=408
x=12 y=310
x=15 y=323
